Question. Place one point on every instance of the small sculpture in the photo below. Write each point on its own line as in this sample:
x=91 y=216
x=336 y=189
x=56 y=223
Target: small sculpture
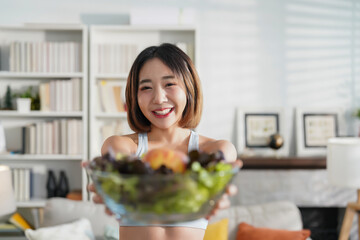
x=275 y=141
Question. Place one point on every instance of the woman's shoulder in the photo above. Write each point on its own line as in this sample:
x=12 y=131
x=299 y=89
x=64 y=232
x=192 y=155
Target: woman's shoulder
x=210 y=145
x=125 y=143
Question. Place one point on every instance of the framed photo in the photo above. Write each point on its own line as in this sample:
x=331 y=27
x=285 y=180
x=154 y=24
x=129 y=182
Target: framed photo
x=255 y=126
x=258 y=128
x=313 y=129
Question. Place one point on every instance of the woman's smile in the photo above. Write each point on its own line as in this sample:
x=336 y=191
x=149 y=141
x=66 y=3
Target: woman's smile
x=163 y=112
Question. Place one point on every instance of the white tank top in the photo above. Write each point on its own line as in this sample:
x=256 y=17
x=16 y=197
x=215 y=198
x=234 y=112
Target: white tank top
x=143 y=143
x=193 y=145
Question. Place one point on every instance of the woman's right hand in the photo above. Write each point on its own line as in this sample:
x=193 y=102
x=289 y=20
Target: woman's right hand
x=96 y=197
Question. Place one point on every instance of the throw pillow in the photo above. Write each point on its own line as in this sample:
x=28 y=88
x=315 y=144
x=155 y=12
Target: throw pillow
x=80 y=230
x=248 y=232
x=217 y=230
x=111 y=233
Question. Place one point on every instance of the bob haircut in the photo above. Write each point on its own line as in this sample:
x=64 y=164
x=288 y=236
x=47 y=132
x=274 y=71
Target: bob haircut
x=183 y=67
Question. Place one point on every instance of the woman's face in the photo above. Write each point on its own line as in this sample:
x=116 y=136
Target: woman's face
x=161 y=94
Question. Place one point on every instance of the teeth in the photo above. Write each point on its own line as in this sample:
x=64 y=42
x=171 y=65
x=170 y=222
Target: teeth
x=163 y=112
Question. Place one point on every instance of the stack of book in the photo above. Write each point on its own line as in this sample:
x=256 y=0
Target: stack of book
x=63 y=136
x=10 y=230
x=60 y=95
x=49 y=57
x=111 y=96
x=115 y=58
x=22 y=179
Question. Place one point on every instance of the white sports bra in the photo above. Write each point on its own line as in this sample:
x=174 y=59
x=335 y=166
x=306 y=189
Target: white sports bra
x=193 y=145
x=143 y=143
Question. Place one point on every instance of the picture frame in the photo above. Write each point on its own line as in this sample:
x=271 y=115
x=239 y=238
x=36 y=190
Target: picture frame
x=258 y=127
x=254 y=127
x=314 y=127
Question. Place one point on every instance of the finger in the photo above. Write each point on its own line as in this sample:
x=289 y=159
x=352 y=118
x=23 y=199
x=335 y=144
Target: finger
x=221 y=204
x=231 y=190
x=237 y=164
x=84 y=164
x=212 y=213
x=91 y=188
x=224 y=203
x=108 y=212
x=97 y=199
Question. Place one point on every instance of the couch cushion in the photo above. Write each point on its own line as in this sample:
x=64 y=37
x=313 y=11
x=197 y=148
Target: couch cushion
x=217 y=230
x=61 y=210
x=248 y=232
x=277 y=215
x=80 y=229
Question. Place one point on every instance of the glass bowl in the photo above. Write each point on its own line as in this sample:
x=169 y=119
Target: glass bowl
x=160 y=199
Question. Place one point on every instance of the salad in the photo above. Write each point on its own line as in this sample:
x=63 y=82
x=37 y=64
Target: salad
x=163 y=182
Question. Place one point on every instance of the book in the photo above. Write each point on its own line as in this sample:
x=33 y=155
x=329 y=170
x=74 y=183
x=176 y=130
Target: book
x=118 y=100
x=23 y=138
x=16 y=184
x=9 y=229
x=22 y=184
x=32 y=140
x=19 y=221
x=31 y=215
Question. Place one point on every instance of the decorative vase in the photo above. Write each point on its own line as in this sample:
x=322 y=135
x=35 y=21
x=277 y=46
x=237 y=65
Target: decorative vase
x=23 y=104
x=63 y=186
x=51 y=184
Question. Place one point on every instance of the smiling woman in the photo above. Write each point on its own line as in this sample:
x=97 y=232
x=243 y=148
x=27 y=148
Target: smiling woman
x=164 y=100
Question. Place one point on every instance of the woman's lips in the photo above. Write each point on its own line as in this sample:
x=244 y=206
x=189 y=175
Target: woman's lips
x=162 y=113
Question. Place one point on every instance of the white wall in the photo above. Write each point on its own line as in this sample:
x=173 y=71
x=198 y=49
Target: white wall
x=251 y=52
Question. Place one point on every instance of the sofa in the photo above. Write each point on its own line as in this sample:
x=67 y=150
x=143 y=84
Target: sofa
x=275 y=215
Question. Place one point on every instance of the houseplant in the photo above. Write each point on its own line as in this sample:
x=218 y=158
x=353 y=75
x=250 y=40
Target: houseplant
x=25 y=101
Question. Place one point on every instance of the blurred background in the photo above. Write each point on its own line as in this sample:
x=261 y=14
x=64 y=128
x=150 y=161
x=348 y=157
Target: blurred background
x=251 y=53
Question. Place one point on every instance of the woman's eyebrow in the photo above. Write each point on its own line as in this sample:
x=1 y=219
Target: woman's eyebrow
x=144 y=81
x=168 y=77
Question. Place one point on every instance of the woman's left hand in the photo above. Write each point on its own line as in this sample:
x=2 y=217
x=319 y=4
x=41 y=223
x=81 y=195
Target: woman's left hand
x=224 y=201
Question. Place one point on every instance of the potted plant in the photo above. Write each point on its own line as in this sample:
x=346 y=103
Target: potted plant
x=23 y=100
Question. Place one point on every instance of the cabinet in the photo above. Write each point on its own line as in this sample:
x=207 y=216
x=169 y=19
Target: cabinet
x=39 y=55
x=112 y=52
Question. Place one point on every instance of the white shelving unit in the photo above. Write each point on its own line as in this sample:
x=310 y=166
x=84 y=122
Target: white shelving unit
x=115 y=38
x=12 y=121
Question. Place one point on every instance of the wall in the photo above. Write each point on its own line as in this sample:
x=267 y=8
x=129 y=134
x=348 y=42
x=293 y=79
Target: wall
x=263 y=53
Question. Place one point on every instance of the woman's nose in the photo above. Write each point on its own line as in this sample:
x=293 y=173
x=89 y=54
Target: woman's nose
x=159 y=96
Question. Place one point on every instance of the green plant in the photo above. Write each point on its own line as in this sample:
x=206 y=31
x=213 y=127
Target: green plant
x=29 y=93
x=8 y=100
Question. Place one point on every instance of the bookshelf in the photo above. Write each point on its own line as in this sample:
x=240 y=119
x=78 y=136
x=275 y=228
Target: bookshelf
x=112 y=52
x=45 y=54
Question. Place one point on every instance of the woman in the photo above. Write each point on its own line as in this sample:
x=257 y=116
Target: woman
x=164 y=100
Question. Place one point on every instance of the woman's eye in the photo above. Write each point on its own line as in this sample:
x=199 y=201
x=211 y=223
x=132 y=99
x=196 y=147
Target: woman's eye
x=170 y=84
x=144 y=88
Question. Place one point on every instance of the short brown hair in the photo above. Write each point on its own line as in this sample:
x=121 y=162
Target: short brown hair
x=180 y=64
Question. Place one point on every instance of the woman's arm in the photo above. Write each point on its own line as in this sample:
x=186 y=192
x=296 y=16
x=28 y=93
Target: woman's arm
x=209 y=145
x=123 y=144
